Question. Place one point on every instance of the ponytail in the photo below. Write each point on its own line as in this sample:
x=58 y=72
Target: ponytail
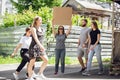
x=26 y=30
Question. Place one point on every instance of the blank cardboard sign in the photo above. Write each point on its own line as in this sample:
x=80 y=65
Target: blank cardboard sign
x=62 y=15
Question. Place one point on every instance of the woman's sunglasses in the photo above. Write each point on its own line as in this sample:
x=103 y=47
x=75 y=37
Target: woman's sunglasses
x=60 y=28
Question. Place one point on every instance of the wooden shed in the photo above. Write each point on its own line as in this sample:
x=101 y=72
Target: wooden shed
x=115 y=58
x=89 y=9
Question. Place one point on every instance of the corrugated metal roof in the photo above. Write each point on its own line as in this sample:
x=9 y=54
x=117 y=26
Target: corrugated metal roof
x=87 y=4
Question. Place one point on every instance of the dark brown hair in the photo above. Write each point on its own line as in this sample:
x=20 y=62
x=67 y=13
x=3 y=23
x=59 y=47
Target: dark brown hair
x=59 y=28
x=85 y=20
x=95 y=24
x=26 y=30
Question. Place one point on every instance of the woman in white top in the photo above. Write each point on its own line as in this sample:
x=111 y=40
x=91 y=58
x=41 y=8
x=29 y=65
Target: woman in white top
x=24 y=45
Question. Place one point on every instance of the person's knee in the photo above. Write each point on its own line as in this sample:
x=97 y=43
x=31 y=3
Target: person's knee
x=79 y=57
x=62 y=62
x=86 y=58
x=46 y=60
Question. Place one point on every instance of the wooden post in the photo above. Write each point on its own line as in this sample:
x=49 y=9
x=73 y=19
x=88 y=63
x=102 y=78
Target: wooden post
x=113 y=25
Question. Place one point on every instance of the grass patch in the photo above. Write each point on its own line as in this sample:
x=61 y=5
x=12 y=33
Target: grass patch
x=9 y=60
x=107 y=59
x=68 y=60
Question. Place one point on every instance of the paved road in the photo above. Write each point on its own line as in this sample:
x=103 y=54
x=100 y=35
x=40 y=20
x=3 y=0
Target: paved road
x=71 y=73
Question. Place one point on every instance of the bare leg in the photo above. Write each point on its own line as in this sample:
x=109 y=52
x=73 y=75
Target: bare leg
x=81 y=62
x=30 y=66
x=44 y=64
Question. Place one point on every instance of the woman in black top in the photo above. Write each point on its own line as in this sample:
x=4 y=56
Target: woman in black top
x=94 y=47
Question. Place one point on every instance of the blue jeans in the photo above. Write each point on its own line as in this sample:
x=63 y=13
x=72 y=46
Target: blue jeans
x=60 y=55
x=97 y=51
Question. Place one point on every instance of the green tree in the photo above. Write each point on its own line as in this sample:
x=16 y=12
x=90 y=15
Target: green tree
x=21 y=5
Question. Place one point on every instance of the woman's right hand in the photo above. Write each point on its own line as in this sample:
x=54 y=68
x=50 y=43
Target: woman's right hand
x=42 y=49
x=12 y=55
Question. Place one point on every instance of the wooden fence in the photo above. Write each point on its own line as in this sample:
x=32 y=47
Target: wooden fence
x=10 y=37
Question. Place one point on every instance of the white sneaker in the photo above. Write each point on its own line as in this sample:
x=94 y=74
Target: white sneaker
x=34 y=75
x=41 y=76
x=86 y=73
x=30 y=79
x=15 y=76
x=100 y=73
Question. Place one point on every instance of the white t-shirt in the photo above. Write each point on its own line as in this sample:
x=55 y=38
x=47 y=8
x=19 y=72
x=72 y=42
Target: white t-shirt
x=25 y=41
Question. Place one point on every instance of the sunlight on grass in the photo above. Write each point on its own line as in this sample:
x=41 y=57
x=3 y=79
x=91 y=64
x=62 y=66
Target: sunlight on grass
x=68 y=60
x=9 y=60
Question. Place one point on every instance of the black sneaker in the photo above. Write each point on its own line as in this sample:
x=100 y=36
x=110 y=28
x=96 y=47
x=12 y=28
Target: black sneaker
x=82 y=69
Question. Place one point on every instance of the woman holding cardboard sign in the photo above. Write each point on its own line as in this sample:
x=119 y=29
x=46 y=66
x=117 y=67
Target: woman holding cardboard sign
x=60 y=51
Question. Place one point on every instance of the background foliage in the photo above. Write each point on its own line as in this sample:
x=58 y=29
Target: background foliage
x=36 y=4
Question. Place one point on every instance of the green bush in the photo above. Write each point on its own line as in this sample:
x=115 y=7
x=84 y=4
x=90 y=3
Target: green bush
x=26 y=17
x=76 y=20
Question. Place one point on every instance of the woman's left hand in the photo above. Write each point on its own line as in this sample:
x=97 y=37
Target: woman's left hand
x=92 y=47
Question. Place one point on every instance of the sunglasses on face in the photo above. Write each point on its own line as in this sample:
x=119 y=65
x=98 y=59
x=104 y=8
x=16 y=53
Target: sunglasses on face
x=60 y=28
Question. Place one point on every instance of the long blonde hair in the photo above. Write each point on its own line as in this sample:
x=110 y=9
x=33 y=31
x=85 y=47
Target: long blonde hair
x=34 y=21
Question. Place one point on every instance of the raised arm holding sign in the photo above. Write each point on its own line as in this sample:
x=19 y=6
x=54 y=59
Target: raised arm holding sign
x=61 y=16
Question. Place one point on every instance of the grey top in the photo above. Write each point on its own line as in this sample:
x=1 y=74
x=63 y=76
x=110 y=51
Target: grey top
x=34 y=50
x=40 y=36
x=60 y=41
x=83 y=35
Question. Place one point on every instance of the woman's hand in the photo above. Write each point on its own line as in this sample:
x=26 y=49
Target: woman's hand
x=91 y=48
x=84 y=46
x=12 y=55
x=42 y=49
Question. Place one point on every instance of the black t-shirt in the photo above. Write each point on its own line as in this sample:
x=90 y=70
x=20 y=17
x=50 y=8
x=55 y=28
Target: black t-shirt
x=93 y=36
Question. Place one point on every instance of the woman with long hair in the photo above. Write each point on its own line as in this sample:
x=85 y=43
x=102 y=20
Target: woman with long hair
x=94 y=48
x=60 y=50
x=37 y=49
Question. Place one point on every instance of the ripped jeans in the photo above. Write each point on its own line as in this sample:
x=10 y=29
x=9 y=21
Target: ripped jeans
x=97 y=51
